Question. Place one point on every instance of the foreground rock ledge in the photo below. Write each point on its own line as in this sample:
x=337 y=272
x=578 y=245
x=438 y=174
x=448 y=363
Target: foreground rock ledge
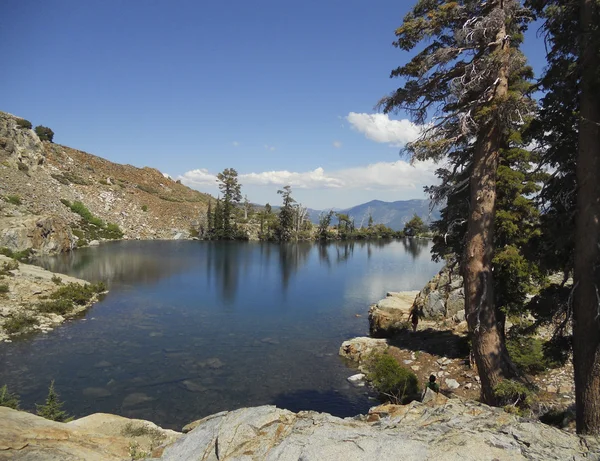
x=439 y=430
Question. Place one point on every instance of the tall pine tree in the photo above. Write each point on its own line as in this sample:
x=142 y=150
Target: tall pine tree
x=467 y=77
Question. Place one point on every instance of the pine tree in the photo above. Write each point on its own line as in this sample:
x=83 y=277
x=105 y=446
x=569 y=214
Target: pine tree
x=8 y=399
x=468 y=76
x=232 y=196
x=286 y=215
x=568 y=132
x=52 y=408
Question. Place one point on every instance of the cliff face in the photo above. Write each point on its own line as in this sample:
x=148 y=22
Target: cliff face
x=35 y=176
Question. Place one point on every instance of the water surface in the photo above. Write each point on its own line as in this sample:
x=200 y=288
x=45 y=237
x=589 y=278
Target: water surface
x=193 y=328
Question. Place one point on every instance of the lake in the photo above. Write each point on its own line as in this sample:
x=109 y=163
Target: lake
x=192 y=328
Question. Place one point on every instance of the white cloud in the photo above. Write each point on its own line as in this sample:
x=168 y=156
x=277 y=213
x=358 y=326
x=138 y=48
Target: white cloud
x=390 y=176
x=306 y=180
x=268 y=147
x=198 y=178
x=337 y=144
x=380 y=128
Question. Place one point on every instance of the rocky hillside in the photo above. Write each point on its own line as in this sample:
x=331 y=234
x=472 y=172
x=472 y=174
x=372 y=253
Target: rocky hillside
x=39 y=179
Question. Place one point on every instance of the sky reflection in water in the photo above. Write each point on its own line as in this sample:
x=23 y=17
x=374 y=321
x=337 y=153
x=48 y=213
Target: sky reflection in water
x=192 y=328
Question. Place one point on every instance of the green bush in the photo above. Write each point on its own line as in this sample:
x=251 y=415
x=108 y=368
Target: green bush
x=24 y=124
x=8 y=266
x=4 y=288
x=392 y=380
x=61 y=179
x=112 y=231
x=527 y=353
x=148 y=189
x=21 y=256
x=44 y=133
x=514 y=396
x=8 y=399
x=56 y=280
x=144 y=208
x=61 y=301
x=13 y=199
x=52 y=408
x=18 y=322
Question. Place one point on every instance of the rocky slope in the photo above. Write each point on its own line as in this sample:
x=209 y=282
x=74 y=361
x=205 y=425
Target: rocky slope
x=35 y=176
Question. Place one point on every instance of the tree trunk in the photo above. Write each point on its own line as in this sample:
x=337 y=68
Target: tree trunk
x=488 y=344
x=586 y=300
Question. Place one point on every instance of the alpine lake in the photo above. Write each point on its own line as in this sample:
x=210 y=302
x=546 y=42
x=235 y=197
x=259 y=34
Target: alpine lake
x=191 y=328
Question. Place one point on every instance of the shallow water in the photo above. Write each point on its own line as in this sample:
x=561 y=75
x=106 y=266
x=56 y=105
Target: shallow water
x=193 y=328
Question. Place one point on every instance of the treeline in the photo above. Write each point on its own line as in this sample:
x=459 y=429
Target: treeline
x=520 y=179
x=231 y=218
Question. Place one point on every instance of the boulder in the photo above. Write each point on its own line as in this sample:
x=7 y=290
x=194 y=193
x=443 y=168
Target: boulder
x=443 y=297
x=391 y=313
x=100 y=437
x=359 y=349
x=45 y=234
x=452 y=430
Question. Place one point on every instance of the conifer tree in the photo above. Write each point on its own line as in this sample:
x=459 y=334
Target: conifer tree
x=232 y=196
x=568 y=131
x=52 y=408
x=286 y=215
x=467 y=77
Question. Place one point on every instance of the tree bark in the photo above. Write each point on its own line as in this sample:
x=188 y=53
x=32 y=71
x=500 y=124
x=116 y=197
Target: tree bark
x=586 y=299
x=488 y=344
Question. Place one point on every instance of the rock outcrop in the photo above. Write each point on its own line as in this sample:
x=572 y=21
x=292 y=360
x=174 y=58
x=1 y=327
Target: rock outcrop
x=26 y=286
x=443 y=297
x=391 y=314
x=47 y=234
x=100 y=437
x=359 y=349
x=439 y=430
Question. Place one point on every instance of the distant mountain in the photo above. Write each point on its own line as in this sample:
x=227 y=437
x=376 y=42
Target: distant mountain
x=392 y=214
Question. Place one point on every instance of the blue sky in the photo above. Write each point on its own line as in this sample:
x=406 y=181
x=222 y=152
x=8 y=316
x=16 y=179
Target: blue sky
x=282 y=91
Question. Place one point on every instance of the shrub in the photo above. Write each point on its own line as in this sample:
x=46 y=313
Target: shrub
x=144 y=208
x=148 y=189
x=514 y=396
x=23 y=255
x=18 y=322
x=61 y=179
x=4 y=288
x=392 y=380
x=8 y=399
x=56 y=280
x=52 y=408
x=8 y=266
x=112 y=231
x=44 y=133
x=24 y=124
x=64 y=298
x=527 y=353
x=13 y=199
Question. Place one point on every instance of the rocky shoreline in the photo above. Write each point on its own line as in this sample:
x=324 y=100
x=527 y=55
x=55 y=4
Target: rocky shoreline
x=26 y=286
x=457 y=428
